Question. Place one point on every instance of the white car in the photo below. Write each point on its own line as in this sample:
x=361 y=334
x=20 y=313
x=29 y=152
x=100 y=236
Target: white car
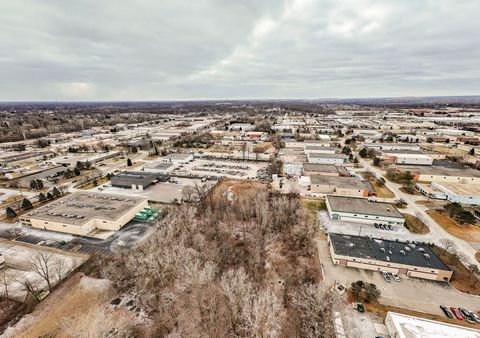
x=396 y=277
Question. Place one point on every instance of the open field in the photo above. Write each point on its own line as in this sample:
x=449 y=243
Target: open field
x=467 y=232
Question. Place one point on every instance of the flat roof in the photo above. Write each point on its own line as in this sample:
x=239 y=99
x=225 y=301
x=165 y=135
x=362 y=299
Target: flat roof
x=362 y=206
x=442 y=168
x=317 y=155
x=177 y=156
x=80 y=207
x=461 y=189
x=400 y=252
x=161 y=165
x=135 y=175
x=321 y=148
x=410 y=326
x=339 y=181
x=324 y=168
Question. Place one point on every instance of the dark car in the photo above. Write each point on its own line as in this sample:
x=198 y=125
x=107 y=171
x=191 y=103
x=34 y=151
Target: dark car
x=467 y=315
x=447 y=312
x=456 y=313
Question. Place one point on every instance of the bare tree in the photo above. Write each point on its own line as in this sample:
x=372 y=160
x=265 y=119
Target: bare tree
x=188 y=194
x=41 y=265
x=315 y=304
x=447 y=244
x=5 y=283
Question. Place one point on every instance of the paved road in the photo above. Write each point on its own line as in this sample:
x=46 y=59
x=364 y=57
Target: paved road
x=437 y=233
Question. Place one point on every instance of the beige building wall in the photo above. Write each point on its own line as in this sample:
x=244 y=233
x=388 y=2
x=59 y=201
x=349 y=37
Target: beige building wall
x=449 y=179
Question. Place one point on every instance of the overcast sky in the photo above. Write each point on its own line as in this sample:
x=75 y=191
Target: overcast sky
x=216 y=49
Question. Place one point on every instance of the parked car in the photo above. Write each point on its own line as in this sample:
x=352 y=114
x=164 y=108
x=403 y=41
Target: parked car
x=376 y=225
x=467 y=315
x=381 y=226
x=456 y=313
x=386 y=276
x=477 y=318
x=447 y=312
x=396 y=277
x=389 y=227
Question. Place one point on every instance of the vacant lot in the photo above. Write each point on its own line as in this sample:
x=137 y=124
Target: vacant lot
x=80 y=308
x=467 y=232
x=414 y=225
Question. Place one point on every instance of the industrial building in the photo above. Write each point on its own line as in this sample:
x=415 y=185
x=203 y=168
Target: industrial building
x=392 y=146
x=160 y=167
x=405 y=326
x=361 y=210
x=321 y=150
x=406 y=157
x=336 y=159
x=403 y=258
x=442 y=171
x=314 y=169
x=85 y=213
x=468 y=194
x=139 y=180
x=178 y=158
x=344 y=186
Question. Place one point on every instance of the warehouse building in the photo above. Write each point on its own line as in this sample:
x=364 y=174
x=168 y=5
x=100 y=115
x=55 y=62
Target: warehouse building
x=403 y=258
x=406 y=157
x=314 y=169
x=442 y=171
x=321 y=150
x=138 y=180
x=405 y=326
x=336 y=159
x=344 y=186
x=392 y=146
x=468 y=194
x=85 y=213
x=160 y=167
x=361 y=210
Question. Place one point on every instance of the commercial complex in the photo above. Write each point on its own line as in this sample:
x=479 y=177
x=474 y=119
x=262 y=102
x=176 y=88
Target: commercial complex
x=314 y=169
x=403 y=258
x=361 y=210
x=84 y=213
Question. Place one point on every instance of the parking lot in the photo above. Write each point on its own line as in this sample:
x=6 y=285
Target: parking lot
x=410 y=293
x=133 y=232
x=220 y=168
x=350 y=228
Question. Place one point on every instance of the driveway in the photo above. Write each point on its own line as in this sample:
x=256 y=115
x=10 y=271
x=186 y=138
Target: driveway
x=437 y=233
x=410 y=293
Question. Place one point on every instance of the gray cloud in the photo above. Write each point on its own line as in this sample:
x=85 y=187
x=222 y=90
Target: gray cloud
x=173 y=49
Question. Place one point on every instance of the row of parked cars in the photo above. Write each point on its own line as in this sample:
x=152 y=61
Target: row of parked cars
x=460 y=313
x=383 y=226
x=389 y=276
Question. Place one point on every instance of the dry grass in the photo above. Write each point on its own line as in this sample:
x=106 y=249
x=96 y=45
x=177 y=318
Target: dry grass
x=477 y=256
x=413 y=192
x=381 y=190
x=467 y=232
x=78 y=308
x=462 y=279
x=414 y=225
x=90 y=185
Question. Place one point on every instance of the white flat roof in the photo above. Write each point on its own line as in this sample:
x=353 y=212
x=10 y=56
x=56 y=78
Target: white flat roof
x=416 y=327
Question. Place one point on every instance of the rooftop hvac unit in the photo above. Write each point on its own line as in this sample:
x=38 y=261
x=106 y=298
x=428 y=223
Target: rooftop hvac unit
x=390 y=252
x=387 y=258
x=402 y=253
x=421 y=249
x=382 y=249
x=427 y=256
x=407 y=248
x=351 y=245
